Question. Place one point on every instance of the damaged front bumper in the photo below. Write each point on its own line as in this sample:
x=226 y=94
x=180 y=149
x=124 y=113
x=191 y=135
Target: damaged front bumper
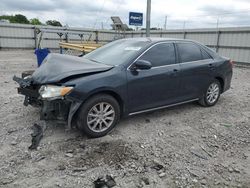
x=63 y=108
x=55 y=109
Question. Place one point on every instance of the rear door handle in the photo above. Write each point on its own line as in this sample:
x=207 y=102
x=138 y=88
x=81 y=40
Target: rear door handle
x=175 y=72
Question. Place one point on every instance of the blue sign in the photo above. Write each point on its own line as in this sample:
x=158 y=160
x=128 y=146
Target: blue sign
x=135 y=18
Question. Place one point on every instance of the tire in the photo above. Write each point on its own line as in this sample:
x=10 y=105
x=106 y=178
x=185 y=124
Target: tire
x=214 y=88
x=90 y=118
x=27 y=73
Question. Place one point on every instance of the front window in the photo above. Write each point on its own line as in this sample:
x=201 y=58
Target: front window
x=117 y=52
x=160 y=55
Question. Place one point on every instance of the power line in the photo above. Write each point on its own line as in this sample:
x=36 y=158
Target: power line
x=216 y=15
x=115 y=11
x=97 y=14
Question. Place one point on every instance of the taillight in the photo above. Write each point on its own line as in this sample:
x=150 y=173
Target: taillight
x=231 y=62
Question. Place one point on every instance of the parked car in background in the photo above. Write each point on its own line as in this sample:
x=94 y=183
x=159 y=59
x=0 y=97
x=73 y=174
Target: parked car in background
x=123 y=78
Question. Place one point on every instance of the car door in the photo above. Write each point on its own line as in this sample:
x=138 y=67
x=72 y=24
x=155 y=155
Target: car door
x=157 y=86
x=197 y=68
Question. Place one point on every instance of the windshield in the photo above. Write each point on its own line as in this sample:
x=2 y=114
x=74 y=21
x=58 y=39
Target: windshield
x=116 y=52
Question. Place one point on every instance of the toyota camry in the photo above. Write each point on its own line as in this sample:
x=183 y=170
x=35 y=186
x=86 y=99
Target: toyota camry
x=122 y=78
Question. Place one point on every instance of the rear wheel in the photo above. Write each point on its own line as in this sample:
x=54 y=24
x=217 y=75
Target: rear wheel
x=212 y=94
x=98 y=115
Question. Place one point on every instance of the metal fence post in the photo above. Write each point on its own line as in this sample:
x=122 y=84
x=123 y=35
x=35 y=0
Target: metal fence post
x=218 y=41
x=96 y=37
x=35 y=37
x=184 y=35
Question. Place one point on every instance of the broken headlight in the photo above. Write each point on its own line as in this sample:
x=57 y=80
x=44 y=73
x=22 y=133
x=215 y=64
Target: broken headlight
x=51 y=91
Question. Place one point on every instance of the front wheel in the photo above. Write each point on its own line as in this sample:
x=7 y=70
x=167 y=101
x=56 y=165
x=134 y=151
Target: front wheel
x=98 y=115
x=212 y=94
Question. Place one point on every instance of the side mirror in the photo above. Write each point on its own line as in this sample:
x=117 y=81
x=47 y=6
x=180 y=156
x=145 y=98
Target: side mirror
x=142 y=65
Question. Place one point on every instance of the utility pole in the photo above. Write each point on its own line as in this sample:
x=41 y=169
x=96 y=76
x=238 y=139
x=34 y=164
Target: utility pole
x=102 y=25
x=217 y=24
x=165 y=25
x=184 y=25
x=148 y=18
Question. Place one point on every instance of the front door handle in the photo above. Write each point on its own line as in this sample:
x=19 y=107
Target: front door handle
x=211 y=66
x=175 y=70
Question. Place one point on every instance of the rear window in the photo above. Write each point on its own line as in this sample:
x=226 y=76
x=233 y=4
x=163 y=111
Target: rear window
x=205 y=55
x=189 y=52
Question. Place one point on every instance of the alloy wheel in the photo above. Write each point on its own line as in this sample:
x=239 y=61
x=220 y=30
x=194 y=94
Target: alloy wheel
x=213 y=93
x=100 y=117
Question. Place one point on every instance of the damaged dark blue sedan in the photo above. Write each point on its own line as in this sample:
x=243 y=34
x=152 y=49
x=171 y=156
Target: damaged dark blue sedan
x=125 y=77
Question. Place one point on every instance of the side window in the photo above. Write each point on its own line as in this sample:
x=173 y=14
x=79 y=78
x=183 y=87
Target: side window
x=160 y=54
x=189 y=52
x=205 y=55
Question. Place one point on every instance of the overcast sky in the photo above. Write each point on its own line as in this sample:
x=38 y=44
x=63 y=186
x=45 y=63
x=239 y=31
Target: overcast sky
x=91 y=14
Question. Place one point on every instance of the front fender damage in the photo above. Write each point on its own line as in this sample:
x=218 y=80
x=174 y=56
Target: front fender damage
x=62 y=109
x=72 y=111
x=23 y=82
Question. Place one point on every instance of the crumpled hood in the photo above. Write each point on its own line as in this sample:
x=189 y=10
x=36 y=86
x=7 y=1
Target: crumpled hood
x=57 y=67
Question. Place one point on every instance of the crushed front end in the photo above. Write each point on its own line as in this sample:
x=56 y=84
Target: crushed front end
x=46 y=86
x=50 y=98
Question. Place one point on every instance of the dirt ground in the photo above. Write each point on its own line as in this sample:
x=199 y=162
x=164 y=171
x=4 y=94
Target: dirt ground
x=184 y=146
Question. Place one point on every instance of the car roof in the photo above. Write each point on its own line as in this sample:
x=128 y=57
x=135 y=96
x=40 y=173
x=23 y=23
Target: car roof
x=153 y=40
x=156 y=39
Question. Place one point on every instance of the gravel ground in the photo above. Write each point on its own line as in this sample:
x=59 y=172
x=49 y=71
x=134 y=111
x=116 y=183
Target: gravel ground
x=184 y=146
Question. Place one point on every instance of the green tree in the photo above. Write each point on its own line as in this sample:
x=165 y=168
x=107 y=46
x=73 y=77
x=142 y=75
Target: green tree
x=35 y=21
x=18 y=18
x=54 y=23
x=5 y=17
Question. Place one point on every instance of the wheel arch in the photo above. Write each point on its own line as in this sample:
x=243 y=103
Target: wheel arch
x=112 y=93
x=222 y=83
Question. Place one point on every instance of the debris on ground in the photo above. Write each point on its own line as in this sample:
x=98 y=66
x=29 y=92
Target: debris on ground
x=203 y=148
x=61 y=167
x=11 y=131
x=40 y=158
x=226 y=125
x=70 y=155
x=157 y=166
x=161 y=175
x=13 y=143
x=107 y=182
x=37 y=135
x=145 y=180
x=6 y=181
x=80 y=169
x=198 y=153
